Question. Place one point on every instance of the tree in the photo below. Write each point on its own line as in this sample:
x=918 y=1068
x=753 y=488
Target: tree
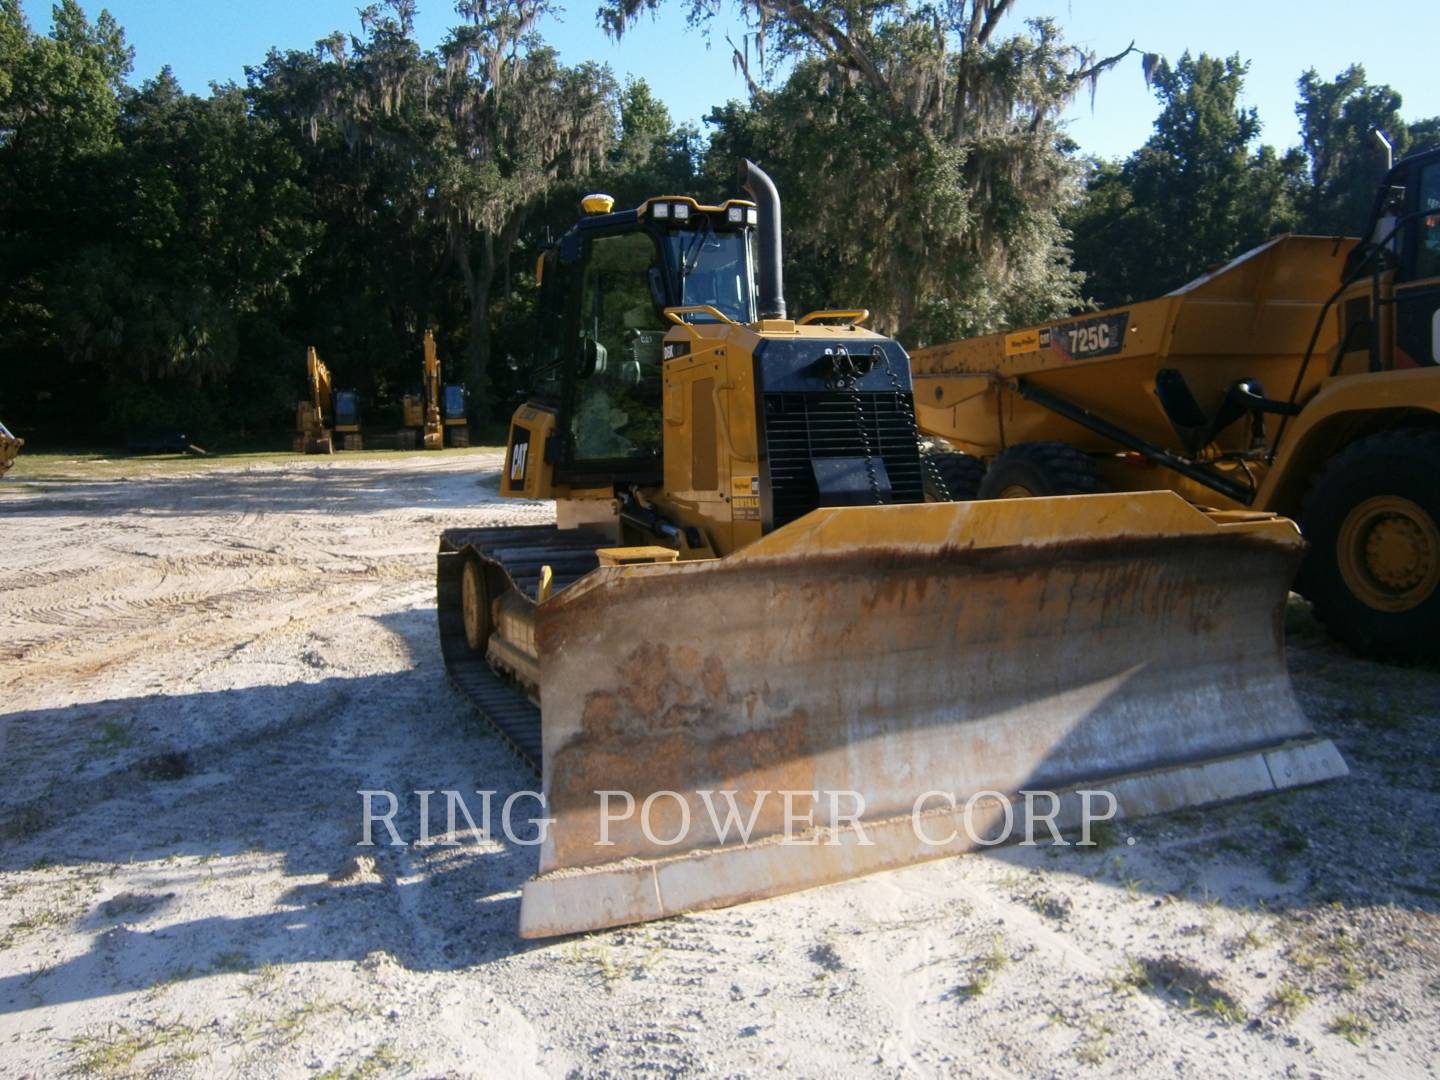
x=1338 y=121
x=522 y=124
x=210 y=227
x=449 y=151
x=650 y=155
x=918 y=150
x=59 y=105
x=1197 y=194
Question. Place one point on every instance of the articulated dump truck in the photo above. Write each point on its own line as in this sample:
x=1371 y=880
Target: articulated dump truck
x=1300 y=379
x=748 y=605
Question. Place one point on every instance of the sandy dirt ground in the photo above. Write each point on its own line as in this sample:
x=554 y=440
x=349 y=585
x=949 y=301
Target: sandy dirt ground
x=200 y=669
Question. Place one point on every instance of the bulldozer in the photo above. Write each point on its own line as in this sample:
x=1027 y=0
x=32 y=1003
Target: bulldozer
x=9 y=449
x=750 y=657
x=327 y=412
x=438 y=407
x=1301 y=379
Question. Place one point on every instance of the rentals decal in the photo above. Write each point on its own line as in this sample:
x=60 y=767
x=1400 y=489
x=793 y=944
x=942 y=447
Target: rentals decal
x=745 y=498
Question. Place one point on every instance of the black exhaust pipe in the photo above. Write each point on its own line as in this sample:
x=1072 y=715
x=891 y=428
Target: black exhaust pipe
x=767 y=199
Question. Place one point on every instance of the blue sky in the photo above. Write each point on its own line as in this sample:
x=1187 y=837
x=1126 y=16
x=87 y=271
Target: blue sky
x=204 y=41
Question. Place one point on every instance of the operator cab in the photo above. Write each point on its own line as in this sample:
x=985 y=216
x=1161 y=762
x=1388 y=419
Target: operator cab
x=1405 y=225
x=604 y=289
x=347 y=409
x=453 y=402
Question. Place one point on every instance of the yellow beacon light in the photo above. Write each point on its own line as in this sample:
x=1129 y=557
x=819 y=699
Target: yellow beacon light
x=597 y=204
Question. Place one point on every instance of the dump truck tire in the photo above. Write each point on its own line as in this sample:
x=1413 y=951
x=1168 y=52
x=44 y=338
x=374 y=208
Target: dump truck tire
x=1029 y=470
x=952 y=476
x=1373 y=521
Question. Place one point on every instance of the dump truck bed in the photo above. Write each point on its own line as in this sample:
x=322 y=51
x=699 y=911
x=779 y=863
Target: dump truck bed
x=1251 y=318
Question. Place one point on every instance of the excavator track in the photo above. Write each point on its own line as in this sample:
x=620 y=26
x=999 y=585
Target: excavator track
x=521 y=551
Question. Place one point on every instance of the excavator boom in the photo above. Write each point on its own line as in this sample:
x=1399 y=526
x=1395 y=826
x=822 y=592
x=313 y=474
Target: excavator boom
x=315 y=416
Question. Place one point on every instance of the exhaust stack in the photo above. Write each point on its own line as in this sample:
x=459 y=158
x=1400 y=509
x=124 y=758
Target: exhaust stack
x=772 y=283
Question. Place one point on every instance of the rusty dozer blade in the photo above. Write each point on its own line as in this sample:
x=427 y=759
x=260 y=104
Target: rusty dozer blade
x=1127 y=643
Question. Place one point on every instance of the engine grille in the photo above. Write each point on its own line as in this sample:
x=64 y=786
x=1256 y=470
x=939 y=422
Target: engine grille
x=800 y=427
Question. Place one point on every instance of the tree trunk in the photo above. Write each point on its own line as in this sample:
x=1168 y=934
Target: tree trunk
x=478 y=271
x=478 y=266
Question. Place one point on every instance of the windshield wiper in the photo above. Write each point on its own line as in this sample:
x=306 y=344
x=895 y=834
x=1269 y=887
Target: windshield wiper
x=691 y=258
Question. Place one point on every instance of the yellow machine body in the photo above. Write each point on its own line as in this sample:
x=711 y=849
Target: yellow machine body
x=314 y=416
x=768 y=605
x=434 y=430
x=425 y=412
x=1302 y=378
x=1250 y=319
x=326 y=413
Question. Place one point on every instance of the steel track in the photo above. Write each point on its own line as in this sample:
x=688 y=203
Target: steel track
x=520 y=551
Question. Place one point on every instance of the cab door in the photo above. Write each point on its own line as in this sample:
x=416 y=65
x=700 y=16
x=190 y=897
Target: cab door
x=611 y=412
x=1417 y=279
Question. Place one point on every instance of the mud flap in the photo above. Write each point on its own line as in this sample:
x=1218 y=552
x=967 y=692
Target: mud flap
x=841 y=689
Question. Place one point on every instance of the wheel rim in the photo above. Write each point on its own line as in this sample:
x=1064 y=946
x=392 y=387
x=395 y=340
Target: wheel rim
x=1389 y=553
x=475 y=607
x=1016 y=491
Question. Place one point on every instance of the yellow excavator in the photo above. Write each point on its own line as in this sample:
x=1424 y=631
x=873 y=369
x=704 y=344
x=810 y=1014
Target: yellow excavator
x=750 y=657
x=1303 y=378
x=327 y=412
x=9 y=448
x=438 y=408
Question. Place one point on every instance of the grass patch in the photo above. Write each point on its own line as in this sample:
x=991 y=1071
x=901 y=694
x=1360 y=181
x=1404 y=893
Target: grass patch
x=43 y=467
x=1353 y=1028
x=1288 y=1000
x=1251 y=939
x=826 y=957
x=287 y=1027
x=381 y=1061
x=131 y=903
x=111 y=735
x=232 y=961
x=597 y=956
x=27 y=924
x=1094 y=1047
x=1052 y=905
x=117 y=1048
x=1131 y=976
x=985 y=969
x=265 y=978
x=1197 y=990
x=1333 y=955
x=1104 y=835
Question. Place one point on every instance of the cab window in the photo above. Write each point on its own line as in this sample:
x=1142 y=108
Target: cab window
x=715 y=271
x=1427 y=251
x=616 y=407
